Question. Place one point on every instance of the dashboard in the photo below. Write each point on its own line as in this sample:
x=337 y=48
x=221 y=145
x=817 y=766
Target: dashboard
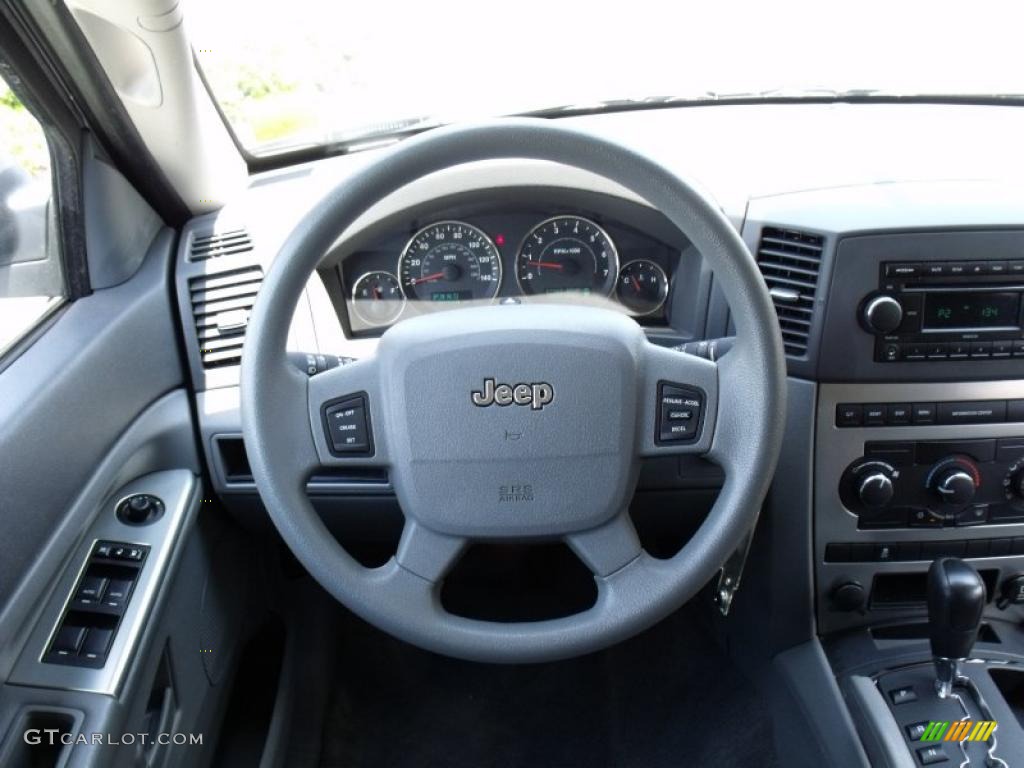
x=512 y=246
x=897 y=270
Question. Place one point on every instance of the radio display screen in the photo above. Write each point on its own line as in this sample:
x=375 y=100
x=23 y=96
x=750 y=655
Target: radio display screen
x=944 y=310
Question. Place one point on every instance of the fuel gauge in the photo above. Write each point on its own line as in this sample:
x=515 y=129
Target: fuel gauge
x=642 y=287
x=377 y=298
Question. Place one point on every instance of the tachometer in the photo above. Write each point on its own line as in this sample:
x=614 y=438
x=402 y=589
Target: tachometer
x=450 y=262
x=377 y=298
x=567 y=254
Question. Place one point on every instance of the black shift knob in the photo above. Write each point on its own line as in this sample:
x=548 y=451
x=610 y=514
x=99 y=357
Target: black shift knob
x=956 y=597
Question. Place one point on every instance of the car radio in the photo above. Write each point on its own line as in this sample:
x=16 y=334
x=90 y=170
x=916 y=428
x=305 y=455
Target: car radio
x=947 y=310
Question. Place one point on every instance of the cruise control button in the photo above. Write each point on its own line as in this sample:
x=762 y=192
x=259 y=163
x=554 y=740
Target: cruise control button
x=679 y=410
x=347 y=429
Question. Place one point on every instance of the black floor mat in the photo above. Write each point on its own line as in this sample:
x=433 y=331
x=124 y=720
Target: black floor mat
x=669 y=697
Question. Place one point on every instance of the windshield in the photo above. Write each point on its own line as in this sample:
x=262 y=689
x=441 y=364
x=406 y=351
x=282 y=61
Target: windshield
x=301 y=72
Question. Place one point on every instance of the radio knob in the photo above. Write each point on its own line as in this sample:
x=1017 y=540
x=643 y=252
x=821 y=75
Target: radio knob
x=874 y=490
x=883 y=314
x=955 y=486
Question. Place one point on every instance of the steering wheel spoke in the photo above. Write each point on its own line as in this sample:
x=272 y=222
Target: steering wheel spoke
x=679 y=402
x=346 y=415
x=608 y=547
x=426 y=553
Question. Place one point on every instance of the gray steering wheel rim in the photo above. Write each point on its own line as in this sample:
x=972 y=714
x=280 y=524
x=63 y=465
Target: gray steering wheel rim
x=747 y=438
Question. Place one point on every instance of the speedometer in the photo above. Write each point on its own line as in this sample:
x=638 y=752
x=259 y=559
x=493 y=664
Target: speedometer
x=450 y=261
x=567 y=254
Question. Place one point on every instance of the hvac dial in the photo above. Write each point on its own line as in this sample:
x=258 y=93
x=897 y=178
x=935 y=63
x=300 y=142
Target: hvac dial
x=377 y=298
x=567 y=254
x=642 y=287
x=450 y=261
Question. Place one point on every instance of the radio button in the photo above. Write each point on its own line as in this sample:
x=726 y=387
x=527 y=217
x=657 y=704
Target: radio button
x=981 y=349
x=1018 y=348
x=956 y=268
x=1015 y=267
x=891 y=353
x=1001 y=348
x=997 y=267
x=936 y=351
x=977 y=267
x=958 y=350
x=924 y=413
x=902 y=270
x=914 y=352
x=936 y=269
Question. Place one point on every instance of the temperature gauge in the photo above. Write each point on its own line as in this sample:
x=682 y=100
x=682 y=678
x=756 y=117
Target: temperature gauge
x=642 y=287
x=377 y=298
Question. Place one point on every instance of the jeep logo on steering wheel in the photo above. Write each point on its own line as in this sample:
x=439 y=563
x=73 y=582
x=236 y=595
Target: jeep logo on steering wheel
x=535 y=395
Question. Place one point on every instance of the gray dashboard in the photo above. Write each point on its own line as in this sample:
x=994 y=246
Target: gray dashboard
x=823 y=195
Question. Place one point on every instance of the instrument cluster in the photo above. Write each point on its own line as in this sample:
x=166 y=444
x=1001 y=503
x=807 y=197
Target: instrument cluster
x=450 y=262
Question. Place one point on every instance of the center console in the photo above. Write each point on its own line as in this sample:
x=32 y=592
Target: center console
x=919 y=458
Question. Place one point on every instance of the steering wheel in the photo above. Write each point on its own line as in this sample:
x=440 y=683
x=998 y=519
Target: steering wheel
x=515 y=422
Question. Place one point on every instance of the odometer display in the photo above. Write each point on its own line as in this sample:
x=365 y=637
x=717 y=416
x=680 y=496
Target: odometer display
x=567 y=254
x=450 y=262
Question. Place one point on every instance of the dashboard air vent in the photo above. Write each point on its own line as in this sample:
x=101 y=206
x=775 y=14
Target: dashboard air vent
x=221 y=303
x=210 y=245
x=790 y=261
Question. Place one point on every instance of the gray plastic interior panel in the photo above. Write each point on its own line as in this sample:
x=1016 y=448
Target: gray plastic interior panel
x=836 y=448
x=179 y=490
x=118 y=222
x=64 y=403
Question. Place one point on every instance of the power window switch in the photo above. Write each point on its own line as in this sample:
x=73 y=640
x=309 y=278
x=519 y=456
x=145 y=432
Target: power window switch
x=68 y=640
x=117 y=593
x=96 y=643
x=90 y=590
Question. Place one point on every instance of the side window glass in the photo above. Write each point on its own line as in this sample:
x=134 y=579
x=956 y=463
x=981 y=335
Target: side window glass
x=31 y=278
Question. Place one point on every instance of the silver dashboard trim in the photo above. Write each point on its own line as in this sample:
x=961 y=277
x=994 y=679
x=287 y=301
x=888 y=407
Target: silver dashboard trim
x=837 y=447
x=179 y=490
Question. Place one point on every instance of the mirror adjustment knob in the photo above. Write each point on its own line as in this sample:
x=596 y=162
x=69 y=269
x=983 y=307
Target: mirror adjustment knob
x=955 y=487
x=883 y=314
x=874 y=490
x=140 y=509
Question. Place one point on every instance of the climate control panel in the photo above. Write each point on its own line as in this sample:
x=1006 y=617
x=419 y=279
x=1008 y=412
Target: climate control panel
x=936 y=483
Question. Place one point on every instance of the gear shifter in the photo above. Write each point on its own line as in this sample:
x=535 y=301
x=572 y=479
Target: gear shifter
x=956 y=597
